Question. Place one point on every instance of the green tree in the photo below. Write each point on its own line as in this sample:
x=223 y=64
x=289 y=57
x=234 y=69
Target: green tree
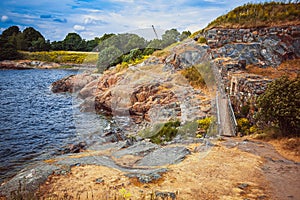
x=280 y=104
x=170 y=37
x=108 y=57
x=13 y=30
x=8 y=44
x=73 y=42
x=57 y=45
x=29 y=36
x=184 y=35
x=155 y=44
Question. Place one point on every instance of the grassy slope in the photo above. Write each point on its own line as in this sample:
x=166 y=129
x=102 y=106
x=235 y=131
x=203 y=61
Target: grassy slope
x=258 y=15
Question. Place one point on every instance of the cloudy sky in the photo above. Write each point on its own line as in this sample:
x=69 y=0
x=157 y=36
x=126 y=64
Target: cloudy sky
x=92 y=18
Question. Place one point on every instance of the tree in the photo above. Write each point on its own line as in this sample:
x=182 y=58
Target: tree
x=280 y=104
x=57 y=45
x=8 y=44
x=108 y=57
x=170 y=37
x=184 y=35
x=13 y=30
x=29 y=36
x=73 y=42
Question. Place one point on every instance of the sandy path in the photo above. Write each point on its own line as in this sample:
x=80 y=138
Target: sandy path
x=226 y=171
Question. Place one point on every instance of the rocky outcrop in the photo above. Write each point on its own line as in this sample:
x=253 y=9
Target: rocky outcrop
x=259 y=46
x=186 y=55
x=72 y=83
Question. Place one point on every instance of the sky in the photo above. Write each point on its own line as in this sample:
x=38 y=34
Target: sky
x=92 y=18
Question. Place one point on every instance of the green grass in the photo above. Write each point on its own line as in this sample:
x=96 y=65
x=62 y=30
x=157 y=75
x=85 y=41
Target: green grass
x=62 y=56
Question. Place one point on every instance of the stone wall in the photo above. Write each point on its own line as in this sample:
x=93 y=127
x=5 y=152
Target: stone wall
x=259 y=46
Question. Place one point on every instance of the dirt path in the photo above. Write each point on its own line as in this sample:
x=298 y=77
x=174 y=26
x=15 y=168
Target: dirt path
x=233 y=169
x=283 y=175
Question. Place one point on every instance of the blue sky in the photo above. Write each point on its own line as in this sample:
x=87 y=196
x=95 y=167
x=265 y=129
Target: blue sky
x=92 y=18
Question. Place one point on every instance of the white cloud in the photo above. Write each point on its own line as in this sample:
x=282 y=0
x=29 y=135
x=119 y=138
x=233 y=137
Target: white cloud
x=78 y=28
x=4 y=18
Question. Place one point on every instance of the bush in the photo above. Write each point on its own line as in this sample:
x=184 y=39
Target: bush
x=194 y=77
x=161 y=132
x=202 y=40
x=280 y=105
x=205 y=123
x=243 y=126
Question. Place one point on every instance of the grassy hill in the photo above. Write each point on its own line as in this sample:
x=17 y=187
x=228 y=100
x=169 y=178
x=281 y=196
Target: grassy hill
x=259 y=15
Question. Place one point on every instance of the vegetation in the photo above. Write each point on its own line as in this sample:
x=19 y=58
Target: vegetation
x=243 y=126
x=62 y=56
x=161 y=132
x=260 y=14
x=280 y=105
x=123 y=49
x=194 y=77
x=202 y=40
x=204 y=125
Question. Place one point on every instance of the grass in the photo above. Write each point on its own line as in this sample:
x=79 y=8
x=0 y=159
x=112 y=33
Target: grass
x=62 y=56
x=259 y=15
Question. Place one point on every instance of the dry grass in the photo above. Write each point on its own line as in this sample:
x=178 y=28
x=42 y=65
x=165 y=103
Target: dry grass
x=288 y=147
x=289 y=68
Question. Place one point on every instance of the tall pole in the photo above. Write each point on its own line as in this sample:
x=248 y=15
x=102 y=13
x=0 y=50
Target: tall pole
x=155 y=32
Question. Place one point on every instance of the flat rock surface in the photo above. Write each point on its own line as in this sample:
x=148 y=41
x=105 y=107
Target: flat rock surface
x=164 y=156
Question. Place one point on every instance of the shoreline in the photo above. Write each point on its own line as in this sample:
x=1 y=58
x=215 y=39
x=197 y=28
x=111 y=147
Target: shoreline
x=34 y=64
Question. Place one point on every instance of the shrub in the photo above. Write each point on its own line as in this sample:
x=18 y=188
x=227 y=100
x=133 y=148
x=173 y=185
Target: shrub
x=161 y=132
x=205 y=123
x=193 y=76
x=202 y=40
x=280 y=105
x=243 y=126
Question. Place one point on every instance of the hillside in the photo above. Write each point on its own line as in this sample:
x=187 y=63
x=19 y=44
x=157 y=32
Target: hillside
x=259 y=15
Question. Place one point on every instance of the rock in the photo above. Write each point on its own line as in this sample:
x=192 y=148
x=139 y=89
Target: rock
x=141 y=148
x=74 y=148
x=165 y=195
x=89 y=90
x=164 y=156
x=99 y=180
x=72 y=83
x=243 y=186
x=145 y=178
x=186 y=55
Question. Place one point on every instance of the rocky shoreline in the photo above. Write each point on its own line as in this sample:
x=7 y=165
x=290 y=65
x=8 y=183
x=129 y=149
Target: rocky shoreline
x=156 y=92
x=34 y=64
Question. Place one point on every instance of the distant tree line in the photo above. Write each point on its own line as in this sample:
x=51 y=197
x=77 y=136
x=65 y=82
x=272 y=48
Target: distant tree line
x=12 y=40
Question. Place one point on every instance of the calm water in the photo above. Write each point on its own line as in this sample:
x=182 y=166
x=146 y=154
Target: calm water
x=34 y=122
